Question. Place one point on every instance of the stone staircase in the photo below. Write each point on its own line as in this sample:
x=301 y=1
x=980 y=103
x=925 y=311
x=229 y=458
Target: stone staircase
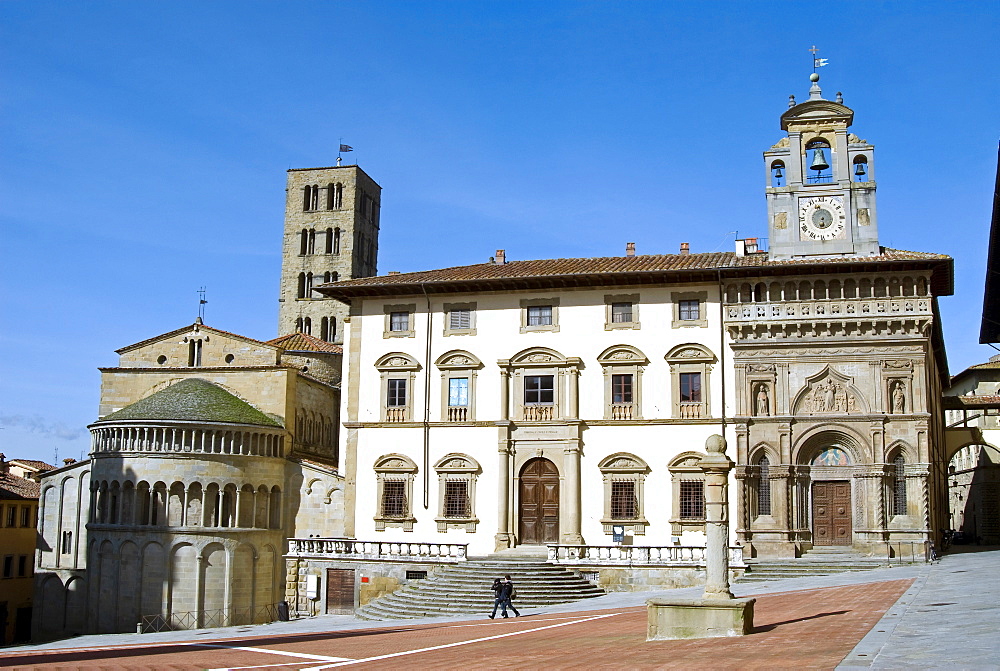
x=464 y=589
x=816 y=562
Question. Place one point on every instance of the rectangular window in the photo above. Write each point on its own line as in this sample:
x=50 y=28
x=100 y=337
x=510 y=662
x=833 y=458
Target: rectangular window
x=690 y=387
x=689 y=310
x=396 y=394
x=458 y=392
x=11 y=516
x=539 y=315
x=692 y=500
x=394 y=498
x=26 y=516
x=8 y=566
x=624 y=505
x=399 y=321
x=621 y=313
x=539 y=389
x=22 y=566
x=621 y=388
x=67 y=542
x=456 y=498
x=460 y=319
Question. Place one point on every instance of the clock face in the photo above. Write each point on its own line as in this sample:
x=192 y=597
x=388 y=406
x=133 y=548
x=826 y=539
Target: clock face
x=822 y=218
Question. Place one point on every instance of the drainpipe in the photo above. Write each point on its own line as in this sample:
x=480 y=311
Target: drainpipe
x=427 y=403
x=722 y=349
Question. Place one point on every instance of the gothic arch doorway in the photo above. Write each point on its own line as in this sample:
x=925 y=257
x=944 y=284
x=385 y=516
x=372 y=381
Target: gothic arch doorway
x=831 y=497
x=538 y=503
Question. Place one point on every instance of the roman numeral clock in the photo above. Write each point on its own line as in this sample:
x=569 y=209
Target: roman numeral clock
x=822 y=218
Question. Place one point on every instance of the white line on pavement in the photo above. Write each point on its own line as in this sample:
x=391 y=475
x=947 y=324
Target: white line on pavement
x=452 y=645
x=285 y=653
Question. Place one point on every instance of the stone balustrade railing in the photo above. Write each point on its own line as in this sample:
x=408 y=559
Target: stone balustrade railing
x=180 y=437
x=344 y=548
x=847 y=308
x=636 y=555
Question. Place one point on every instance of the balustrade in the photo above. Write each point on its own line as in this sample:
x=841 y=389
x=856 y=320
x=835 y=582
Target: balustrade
x=827 y=309
x=621 y=411
x=186 y=439
x=458 y=414
x=691 y=410
x=538 y=413
x=344 y=548
x=637 y=555
x=395 y=414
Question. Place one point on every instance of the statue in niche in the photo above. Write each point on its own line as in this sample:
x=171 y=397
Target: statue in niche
x=763 y=403
x=898 y=398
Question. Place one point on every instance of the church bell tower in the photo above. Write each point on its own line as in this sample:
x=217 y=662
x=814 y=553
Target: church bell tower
x=820 y=183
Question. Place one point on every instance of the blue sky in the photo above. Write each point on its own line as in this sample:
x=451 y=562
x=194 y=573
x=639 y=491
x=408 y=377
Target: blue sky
x=144 y=149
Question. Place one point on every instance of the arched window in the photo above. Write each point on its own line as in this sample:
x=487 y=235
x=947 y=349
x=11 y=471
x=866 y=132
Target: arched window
x=457 y=492
x=312 y=242
x=329 y=241
x=394 y=474
x=336 y=241
x=302 y=285
x=624 y=481
x=819 y=157
x=764 y=486
x=303 y=242
x=274 y=507
x=778 y=173
x=298 y=325
x=899 y=486
x=308 y=286
x=339 y=198
x=860 y=172
x=331 y=196
x=307 y=326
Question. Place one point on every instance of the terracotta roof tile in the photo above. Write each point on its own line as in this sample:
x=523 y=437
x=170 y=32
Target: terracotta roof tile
x=13 y=487
x=552 y=270
x=301 y=342
x=959 y=402
x=185 y=329
x=33 y=463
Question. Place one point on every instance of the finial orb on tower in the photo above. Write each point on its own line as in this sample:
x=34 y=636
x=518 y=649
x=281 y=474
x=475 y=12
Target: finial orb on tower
x=814 y=77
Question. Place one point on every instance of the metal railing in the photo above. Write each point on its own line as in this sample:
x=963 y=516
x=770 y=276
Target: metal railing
x=343 y=548
x=908 y=552
x=205 y=619
x=636 y=555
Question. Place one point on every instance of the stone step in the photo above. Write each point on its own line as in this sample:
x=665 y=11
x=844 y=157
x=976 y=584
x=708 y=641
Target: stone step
x=463 y=589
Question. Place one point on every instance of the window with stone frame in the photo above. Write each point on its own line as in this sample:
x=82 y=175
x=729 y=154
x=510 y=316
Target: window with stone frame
x=457 y=475
x=539 y=314
x=623 y=366
x=399 y=321
x=690 y=368
x=687 y=493
x=689 y=309
x=624 y=478
x=899 y=485
x=621 y=311
x=763 y=486
x=394 y=475
x=398 y=373
x=459 y=319
x=541 y=384
x=459 y=371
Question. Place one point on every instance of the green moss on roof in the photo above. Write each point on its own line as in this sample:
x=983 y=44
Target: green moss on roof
x=193 y=400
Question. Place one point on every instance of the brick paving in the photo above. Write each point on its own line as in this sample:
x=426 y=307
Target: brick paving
x=813 y=628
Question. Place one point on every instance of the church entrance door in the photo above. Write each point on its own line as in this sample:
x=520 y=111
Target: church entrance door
x=831 y=512
x=539 y=503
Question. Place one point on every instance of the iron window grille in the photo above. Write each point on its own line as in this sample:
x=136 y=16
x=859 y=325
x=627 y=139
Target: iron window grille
x=624 y=503
x=899 y=487
x=394 y=499
x=456 y=499
x=692 y=500
x=764 y=488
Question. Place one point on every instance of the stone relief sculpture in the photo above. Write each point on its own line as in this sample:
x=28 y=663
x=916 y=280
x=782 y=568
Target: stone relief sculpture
x=898 y=398
x=829 y=396
x=763 y=402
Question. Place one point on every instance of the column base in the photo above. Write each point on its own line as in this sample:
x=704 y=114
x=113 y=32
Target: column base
x=502 y=542
x=674 y=619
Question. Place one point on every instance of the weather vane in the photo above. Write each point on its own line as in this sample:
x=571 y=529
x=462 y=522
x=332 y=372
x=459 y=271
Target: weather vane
x=201 y=305
x=817 y=62
x=343 y=148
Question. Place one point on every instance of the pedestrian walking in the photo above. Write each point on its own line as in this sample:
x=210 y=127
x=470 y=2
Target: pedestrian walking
x=497 y=600
x=506 y=594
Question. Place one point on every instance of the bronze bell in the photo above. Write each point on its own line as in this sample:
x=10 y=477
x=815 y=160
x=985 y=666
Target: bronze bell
x=859 y=169
x=819 y=161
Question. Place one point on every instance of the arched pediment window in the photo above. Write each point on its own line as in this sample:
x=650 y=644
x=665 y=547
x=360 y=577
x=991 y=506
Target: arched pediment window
x=624 y=478
x=623 y=366
x=690 y=367
x=459 y=370
x=398 y=372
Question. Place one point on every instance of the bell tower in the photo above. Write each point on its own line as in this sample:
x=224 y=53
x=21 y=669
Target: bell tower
x=820 y=183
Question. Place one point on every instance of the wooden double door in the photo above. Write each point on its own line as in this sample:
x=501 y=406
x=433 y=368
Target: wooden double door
x=340 y=590
x=831 y=513
x=538 y=497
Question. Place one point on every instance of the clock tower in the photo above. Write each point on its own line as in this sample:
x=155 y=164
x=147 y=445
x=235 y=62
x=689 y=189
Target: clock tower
x=820 y=183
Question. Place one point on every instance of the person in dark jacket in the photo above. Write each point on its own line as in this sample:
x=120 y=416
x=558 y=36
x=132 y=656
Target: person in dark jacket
x=506 y=594
x=497 y=599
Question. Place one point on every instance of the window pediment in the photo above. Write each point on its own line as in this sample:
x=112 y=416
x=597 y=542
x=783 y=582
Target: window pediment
x=690 y=352
x=539 y=356
x=458 y=463
x=397 y=361
x=395 y=463
x=458 y=359
x=622 y=354
x=623 y=462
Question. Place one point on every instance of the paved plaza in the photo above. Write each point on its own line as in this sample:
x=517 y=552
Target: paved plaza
x=944 y=615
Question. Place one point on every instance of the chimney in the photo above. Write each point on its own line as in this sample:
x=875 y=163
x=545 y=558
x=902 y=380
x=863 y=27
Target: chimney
x=393 y=272
x=741 y=248
x=629 y=249
x=685 y=248
x=69 y=461
x=501 y=257
x=4 y=467
x=751 y=245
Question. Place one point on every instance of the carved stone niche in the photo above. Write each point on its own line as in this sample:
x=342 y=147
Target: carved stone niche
x=759 y=392
x=897 y=386
x=830 y=393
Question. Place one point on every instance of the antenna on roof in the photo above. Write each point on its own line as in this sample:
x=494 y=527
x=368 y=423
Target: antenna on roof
x=201 y=305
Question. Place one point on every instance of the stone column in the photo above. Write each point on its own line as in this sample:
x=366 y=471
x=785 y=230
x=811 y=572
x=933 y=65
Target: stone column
x=569 y=524
x=504 y=394
x=503 y=538
x=716 y=467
